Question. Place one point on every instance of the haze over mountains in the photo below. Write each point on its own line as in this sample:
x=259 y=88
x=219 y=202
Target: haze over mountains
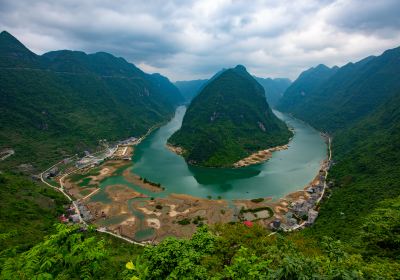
x=69 y=100
x=228 y=120
x=274 y=88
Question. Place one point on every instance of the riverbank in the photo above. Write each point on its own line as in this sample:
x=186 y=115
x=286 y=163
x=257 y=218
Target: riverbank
x=177 y=150
x=156 y=215
x=259 y=156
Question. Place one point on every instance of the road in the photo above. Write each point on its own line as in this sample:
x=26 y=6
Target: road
x=303 y=224
x=75 y=206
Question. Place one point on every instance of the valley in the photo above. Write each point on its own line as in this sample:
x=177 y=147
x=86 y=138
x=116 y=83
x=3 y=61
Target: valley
x=271 y=150
x=131 y=205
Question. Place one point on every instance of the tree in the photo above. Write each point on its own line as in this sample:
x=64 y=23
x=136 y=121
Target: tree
x=68 y=254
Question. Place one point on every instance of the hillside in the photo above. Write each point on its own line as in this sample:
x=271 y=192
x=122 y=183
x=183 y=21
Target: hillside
x=64 y=102
x=228 y=120
x=274 y=88
x=359 y=105
x=347 y=94
x=367 y=171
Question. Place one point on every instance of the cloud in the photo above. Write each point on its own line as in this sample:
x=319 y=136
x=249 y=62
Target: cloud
x=194 y=39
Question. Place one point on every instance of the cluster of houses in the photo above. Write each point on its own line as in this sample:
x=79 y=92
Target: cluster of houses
x=70 y=215
x=128 y=142
x=51 y=173
x=302 y=212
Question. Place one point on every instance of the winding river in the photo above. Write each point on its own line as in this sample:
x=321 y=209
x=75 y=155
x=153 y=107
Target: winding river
x=286 y=171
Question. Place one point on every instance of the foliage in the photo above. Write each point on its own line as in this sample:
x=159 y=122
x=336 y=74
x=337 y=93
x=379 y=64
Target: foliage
x=27 y=213
x=366 y=172
x=381 y=229
x=63 y=255
x=237 y=252
x=178 y=258
x=228 y=120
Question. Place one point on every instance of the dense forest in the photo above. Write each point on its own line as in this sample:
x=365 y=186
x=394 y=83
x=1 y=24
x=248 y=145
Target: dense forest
x=228 y=120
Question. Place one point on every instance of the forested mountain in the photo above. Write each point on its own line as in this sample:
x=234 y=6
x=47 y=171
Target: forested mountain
x=274 y=88
x=228 y=120
x=66 y=101
x=366 y=173
x=344 y=95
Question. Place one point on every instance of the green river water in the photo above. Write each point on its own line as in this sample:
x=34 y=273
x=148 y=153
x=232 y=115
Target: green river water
x=287 y=171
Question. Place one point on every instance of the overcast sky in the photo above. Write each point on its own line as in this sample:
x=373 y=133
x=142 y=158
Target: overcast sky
x=194 y=39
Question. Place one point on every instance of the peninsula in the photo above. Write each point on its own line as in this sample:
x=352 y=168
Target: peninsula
x=228 y=121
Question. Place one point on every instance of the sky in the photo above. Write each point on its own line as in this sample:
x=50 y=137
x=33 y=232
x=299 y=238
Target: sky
x=190 y=39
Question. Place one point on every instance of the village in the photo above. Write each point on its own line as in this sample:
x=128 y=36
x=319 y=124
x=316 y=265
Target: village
x=134 y=216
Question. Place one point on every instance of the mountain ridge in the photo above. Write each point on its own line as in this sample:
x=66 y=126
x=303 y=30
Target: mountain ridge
x=65 y=101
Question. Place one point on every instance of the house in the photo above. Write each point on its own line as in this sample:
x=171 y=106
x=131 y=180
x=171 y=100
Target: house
x=75 y=218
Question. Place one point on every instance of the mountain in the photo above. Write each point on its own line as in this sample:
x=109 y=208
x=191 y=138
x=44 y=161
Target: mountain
x=366 y=172
x=66 y=101
x=274 y=88
x=189 y=89
x=14 y=54
x=304 y=86
x=345 y=94
x=228 y=120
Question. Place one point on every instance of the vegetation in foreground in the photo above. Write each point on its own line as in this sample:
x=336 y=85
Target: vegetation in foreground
x=225 y=252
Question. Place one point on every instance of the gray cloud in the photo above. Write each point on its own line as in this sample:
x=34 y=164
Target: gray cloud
x=194 y=39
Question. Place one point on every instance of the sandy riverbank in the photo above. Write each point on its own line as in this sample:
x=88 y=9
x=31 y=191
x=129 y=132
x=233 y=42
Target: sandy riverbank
x=259 y=156
x=176 y=150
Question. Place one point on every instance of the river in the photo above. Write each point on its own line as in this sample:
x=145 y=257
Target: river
x=288 y=170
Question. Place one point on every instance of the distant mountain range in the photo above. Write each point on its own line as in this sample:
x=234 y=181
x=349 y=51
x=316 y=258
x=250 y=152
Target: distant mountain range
x=274 y=88
x=228 y=120
x=333 y=98
x=66 y=101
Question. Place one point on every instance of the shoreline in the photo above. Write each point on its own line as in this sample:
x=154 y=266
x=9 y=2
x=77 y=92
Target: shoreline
x=175 y=149
x=259 y=156
x=183 y=207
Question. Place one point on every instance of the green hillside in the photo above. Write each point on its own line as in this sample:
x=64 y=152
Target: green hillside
x=228 y=120
x=367 y=171
x=359 y=105
x=346 y=94
x=65 y=101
